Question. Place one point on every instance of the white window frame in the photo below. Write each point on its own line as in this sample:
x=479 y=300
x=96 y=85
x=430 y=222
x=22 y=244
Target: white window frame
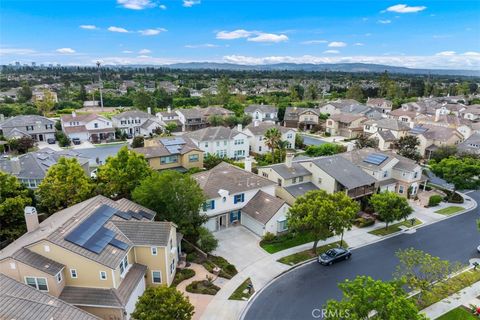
x=59 y=277
x=46 y=248
x=72 y=272
x=103 y=273
x=153 y=278
x=13 y=265
x=154 y=251
x=36 y=282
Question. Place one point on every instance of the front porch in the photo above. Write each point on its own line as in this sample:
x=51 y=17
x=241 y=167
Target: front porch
x=225 y=220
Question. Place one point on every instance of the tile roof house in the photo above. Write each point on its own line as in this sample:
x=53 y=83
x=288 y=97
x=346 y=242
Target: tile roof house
x=31 y=168
x=386 y=131
x=334 y=107
x=470 y=145
x=432 y=137
x=98 y=255
x=198 y=118
x=256 y=133
x=229 y=189
x=87 y=127
x=381 y=104
x=471 y=112
x=345 y=124
x=302 y=118
x=37 y=127
x=179 y=153
x=262 y=112
x=168 y=117
x=137 y=123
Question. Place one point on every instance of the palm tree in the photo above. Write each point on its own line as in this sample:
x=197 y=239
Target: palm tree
x=282 y=146
x=272 y=138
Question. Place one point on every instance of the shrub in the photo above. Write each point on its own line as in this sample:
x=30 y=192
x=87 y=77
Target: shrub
x=434 y=200
x=362 y=222
x=268 y=237
x=203 y=287
x=181 y=275
x=62 y=138
x=138 y=142
x=206 y=241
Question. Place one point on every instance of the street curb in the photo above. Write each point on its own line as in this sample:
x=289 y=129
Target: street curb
x=303 y=263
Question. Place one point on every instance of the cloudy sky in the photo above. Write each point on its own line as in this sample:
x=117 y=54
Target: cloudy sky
x=427 y=34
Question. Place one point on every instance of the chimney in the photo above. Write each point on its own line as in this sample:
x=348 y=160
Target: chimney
x=31 y=218
x=256 y=123
x=2 y=117
x=169 y=109
x=289 y=159
x=74 y=114
x=15 y=162
x=248 y=164
x=149 y=110
x=239 y=127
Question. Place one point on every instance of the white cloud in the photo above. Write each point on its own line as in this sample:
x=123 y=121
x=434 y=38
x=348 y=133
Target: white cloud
x=152 y=32
x=16 y=51
x=268 y=37
x=163 y=7
x=331 y=51
x=144 y=51
x=384 y=21
x=446 y=53
x=88 y=27
x=127 y=51
x=143 y=56
x=403 y=8
x=190 y=3
x=117 y=29
x=471 y=54
x=337 y=44
x=205 y=45
x=65 y=50
x=313 y=42
x=236 y=34
x=136 y=4
x=359 y=44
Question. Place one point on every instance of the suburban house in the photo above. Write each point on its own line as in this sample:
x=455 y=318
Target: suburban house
x=31 y=168
x=98 y=255
x=294 y=178
x=345 y=124
x=38 y=94
x=240 y=197
x=403 y=115
x=334 y=107
x=391 y=171
x=21 y=301
x=87 y=127
x=370 y=113
x=384 y=105
x=256 y=133
x=137 y=123
x=262 y=112
x=471 y=145
x=168 y=117
x=221 y=141
x=472 y=112
x=432 y=137
x=37 y=127
x=397 y=128
x=302 y=118
x=178 y=153
x=198 y=118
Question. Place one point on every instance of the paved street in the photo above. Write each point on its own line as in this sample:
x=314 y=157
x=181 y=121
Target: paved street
x=311 y=141
x=295 y=294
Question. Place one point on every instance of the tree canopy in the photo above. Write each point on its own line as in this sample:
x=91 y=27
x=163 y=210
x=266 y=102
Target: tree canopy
x=324 y=149
x=462 y=172
x=390 y=206
x=407 y=146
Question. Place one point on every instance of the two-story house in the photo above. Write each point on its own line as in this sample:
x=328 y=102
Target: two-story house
x=470 y=145
x=168 y=117
x=334 y=107
x=262 y=112
x=471 y=112
x=256 y=133
x=198 y=118
x=345 y=124
x=302 y=118
x=386 y=131
x=222 y=141
x=137 y=123
x=98 y=255
x=179 y=153
x=87 y=127
x=236 y=196
x=381 y=104
x=432 y=137
x=37 y=127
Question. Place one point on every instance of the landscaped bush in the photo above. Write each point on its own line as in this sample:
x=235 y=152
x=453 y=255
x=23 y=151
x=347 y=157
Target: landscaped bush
x=206 y=240
x=362 y=222
x=434 y=200
x=227 y=270
x=203 y=287
x=268 y=237
x=181 y=275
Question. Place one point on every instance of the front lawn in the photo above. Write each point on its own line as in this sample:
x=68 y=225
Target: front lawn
x=242 y=293
x=298 y=257
x=459 y=313
x=449 y=210
x=285 y=241
x=181 y=275
x=202 y=287
x=394 y=227
x=227 y=270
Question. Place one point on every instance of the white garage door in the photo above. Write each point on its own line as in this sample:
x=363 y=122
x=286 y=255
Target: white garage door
x=137 y=292
x=252 y=224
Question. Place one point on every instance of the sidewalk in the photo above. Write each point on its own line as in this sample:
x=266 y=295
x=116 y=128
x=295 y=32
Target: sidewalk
x=264 y=270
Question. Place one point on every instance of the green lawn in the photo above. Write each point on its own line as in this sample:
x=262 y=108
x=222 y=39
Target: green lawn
x=286 y=241
x=394 y=228
x=239 y=293
x=449 y=210
x=459 y=313
x=298 y=257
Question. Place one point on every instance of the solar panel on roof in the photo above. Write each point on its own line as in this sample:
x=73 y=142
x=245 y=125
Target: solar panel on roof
x=124 y=215
x=136 y=215
x=173 y=149
x=119 y=244
x=172 y=142
x=418 y=130
x=375 y=158
x=146 y=215
x=99 y=240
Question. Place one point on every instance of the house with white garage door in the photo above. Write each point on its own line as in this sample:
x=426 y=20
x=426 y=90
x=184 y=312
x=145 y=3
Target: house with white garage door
x=239 y=197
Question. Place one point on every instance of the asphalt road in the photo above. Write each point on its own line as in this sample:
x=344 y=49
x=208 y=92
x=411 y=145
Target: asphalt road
x=311 y=141
x=294 y=295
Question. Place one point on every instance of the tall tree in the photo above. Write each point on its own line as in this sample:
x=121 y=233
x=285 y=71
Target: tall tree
x=45 y=104
x=175 y=197
x=143 y=100
x=64 y=185
x=13 y=199
x=223 y=92
x=163 y=303
x=311 y=93
x=324 y=149
x=365 y=298
x=407 y=146
x=355 y=92
x=297 y=92
x=25 y=93
x=82 y=94
x=162 y=98
x=390 y=206
x=384 y=84
x=363 y=141
x=346 y=210
x=122 y=173
x=272 y=138
x=462 y=172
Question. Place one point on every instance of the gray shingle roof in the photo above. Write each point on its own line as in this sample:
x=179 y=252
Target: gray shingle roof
x=357 y=157
x=228 y=177
x=212 y=134
x=344 y=171
x=150 y=233
x=293 y=113
x=298 y=190
x=160 y=150
x=387 y=135
x=132 y=114
x=296 y=170
x=266 y=108
x=391 y=124
x=260 y=128
x=38 y=262
x=21 y=122
x=262 y=207
x=21 y=302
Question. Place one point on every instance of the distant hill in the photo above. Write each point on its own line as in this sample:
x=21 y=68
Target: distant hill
x=341 y=67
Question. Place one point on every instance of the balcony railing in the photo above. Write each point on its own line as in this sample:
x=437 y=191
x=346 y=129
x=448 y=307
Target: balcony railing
x=360 y=191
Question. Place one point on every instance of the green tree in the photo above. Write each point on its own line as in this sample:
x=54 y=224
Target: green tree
x=182 y=92
x=64 y=185
x=82 y=94
x=46 y=104
x=324 y=149
x=390 y=206
x=212 y=160
x=311 y=93
x=462 y=172
x=175 y=197
x=24 y=93
x=22 y=144
x=355 y=92
x=407 y=146
x=296 y=92
x=367 y=299
x=272 y=138
x=162 y=98
x=170 y=127
x=13 y=199
x=299 y=141
x=122 y=173
x=444 y=152
x=143 y=100
x=138 y=142
x=384 y=84
x=223 y=95
x=206 y=240
x=363 y=141
x=215 y=120
x=163 y=303
x=346 y=210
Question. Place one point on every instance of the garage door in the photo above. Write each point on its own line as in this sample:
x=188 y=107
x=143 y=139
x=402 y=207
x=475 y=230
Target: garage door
x=252 y=224
x=137 y=292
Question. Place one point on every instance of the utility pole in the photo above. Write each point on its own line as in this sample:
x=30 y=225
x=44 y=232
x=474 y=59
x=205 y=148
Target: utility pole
x=100 y=84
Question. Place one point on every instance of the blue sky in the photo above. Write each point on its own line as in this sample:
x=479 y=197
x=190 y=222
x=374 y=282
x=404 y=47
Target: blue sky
x=431 y=34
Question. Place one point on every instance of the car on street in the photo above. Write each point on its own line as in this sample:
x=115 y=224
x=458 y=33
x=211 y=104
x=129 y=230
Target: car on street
x=51 y=141
x=334 y=255
x=76 y=141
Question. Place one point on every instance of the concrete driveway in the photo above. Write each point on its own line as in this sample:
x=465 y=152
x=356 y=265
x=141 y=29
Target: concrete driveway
x=239 y=246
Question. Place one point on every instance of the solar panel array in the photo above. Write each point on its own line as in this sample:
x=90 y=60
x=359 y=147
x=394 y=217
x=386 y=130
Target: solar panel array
x=93 y=236
x=172 y=142
x=418 y=130
x=174 y=149
x=375 y=158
